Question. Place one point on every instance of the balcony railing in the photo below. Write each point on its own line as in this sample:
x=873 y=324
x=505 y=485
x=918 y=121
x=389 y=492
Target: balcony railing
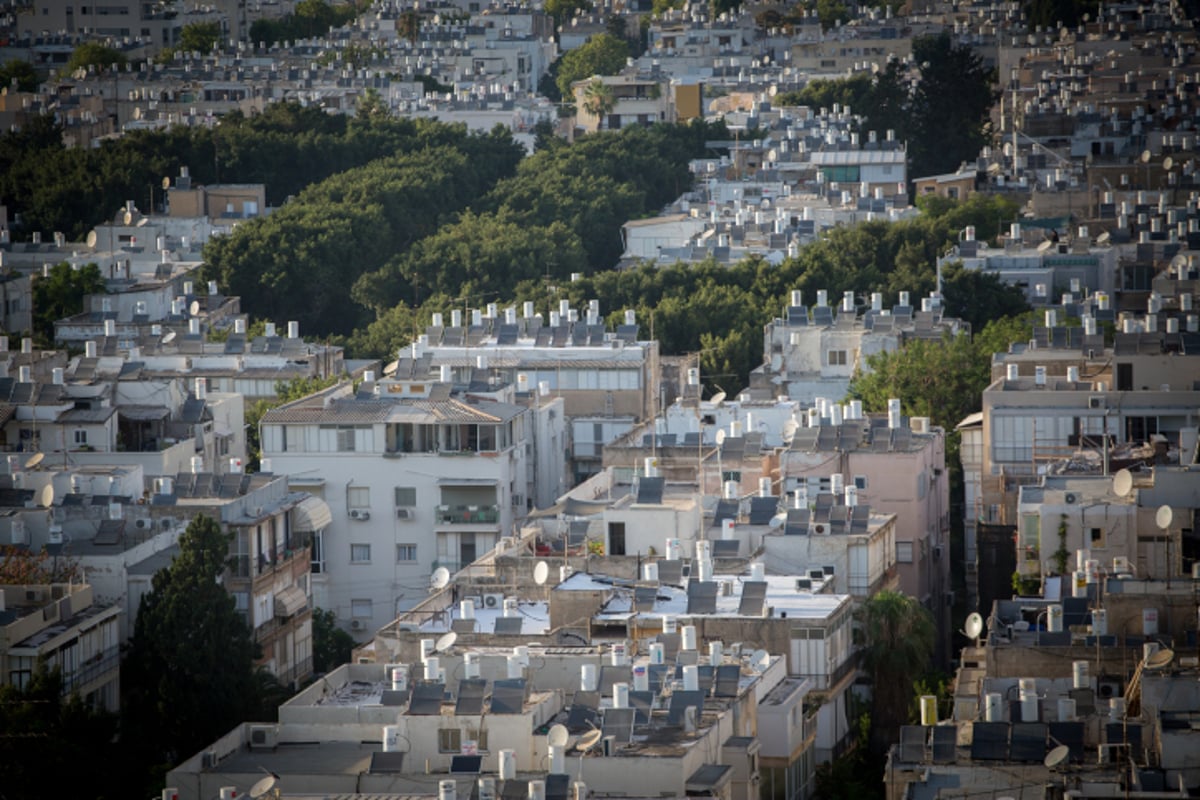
x=97 y=665
x=468 y=515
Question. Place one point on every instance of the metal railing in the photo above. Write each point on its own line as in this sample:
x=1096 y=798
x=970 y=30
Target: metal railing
x=468 y=515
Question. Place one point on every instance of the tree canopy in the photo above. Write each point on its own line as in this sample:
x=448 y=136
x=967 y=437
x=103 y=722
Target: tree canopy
x=897 y=636
x=95 y=54
x=200 y=37
x=189 y=673
x=22 y=73
x=61 y=294
x=603 y=54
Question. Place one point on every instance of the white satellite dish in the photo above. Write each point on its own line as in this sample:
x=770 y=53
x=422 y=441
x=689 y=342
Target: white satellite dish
x=588 y=741
x=1163 y=517
x=91 y=240
x=127 y=217
x=789 y=429
x=166 y=182
x=1168 y=162
x=170 y=337
x=777 y=521
x=46 y=496
x=194 y=308
x=445 y=642
x=720 y=437
x=1146 y=156
x=34 y=460
x=776 y=362
x=973 y=626
x=1122 y=483
x=717 y=398
x=1057 y=756
x=264 y=786
x=441 y=576
x=558 y=736
x=760 y=660
x=541 y=572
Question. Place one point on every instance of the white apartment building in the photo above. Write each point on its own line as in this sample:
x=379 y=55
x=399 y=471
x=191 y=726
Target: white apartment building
x=416 y=477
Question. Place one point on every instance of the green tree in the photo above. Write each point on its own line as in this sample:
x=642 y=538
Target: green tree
x=951 y=105
x=601 y=55
x=831 y=13
x=188 y=674
x=61 y=294
x=200 y=37
x=49 y=738
x=563 y=10
x=897 y=637
x=598 y=100
x=95 y=54
x=332 y=646
x=1049 y=13
x=19 y=73
x=978 y=297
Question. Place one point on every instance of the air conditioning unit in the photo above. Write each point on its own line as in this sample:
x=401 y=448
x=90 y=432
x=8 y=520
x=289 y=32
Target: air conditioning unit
x=142 y=523
x=360 y=514
x=357 y=624
x=1109 y=688
x=263 y=737
x=1096 y=401
x=1121 y=564
x=1070 y=499
x=209 y=759
x=819 y=528
x=476 y=599
x=493 y=601
x=405 y=513
x=919 y=424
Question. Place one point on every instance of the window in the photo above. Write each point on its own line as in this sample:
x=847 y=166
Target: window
x=406 y=552
x=81 y=437
x=345 y=439
x=360 y=609
x=360 y=554
x=406 y=496
x=358 y=497
x=616 y=538
x=837 y=358
x=449 y=740
x=1097 y=537
x=904 y=552
x=860 y=481
x=318 y=552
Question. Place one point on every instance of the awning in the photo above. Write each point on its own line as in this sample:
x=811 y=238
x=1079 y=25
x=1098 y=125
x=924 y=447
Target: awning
x=312 y=514
x=290 y=601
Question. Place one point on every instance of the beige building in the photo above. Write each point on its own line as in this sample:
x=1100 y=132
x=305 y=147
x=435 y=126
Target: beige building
x=637 y=100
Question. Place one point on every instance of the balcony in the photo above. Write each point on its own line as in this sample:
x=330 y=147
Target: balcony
x=468 y=515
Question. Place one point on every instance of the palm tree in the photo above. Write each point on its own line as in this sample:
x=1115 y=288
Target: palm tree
x=897 y=637
x=598 y=100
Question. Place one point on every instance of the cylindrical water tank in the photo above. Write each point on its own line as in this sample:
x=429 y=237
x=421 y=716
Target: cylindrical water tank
x=1149 y=621
x=657 y=653
x=431 y=668
x=993 y=707
x=691 y=678
x=621 y=695
x=687 y=639
x=514 y=668
x=537 y=790
x=757 y=571
x=1099 y=622
x=1116 y=709
x=426 y=649
x=399 y=678
x=508 y=765
x=557 y=759
x=587 y=677
x=715 y=654
x=673 y=549
x=470 y=665
x=1079 y=675
x=1029 y=706
x=1079 y=583
x=466 y=609
x=650 y=572
x=1066 y=709
x=641 y=678
x=1054 y=618
x=929 y=715
x=669 y=624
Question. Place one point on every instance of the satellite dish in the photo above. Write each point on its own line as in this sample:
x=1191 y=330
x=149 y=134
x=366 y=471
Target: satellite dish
x=789 y=429
x=1163 y=517
x=558 y=735
x=717 y=398
x=1146 y=154
x=170 y=337
x=588 y=741
x=441 y=576
x=194 y=308
x=760 y=660
x=720 y=437
x=445 y=642
x=1161 y=659
x=541 y=572
x=264 y=786
x=46 y=496
x=1122 y=483
x=974 y=625
x=1057 y=756
x=127 y=217
x=777 y=521
x=1168 y=162
x=166 y=182
x=34 y=460
x=91 y=240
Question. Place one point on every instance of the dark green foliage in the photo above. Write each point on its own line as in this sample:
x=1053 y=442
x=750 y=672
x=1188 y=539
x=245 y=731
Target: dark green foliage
x=95 y=54
x=48 y=740
x=200 y=37
x=332 y=646
x=189 y=674
x=61 y=294
x=563 y=10
x=22 y=72
x=897 y=636
x=979 y=297
x=601 y=55
x=1048 y=13
x=311 y=18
